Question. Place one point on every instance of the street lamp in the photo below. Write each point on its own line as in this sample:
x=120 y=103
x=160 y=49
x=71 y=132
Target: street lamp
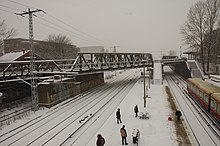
x=144 y=86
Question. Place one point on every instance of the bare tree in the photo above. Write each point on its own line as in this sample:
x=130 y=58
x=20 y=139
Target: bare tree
x=215 y=49
x=198 y=30
x=61 y=39
x=5 y=32
x=212 y=17
x=58 y=44
x=194 y=29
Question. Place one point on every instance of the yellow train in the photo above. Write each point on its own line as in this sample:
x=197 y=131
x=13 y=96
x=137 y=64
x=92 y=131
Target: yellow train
x=207 y=94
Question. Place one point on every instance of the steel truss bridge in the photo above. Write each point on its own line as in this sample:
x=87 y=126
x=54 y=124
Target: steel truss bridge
x=84 y=62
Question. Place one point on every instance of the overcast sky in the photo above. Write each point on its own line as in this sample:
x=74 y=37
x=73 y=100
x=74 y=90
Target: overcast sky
x=133 y=25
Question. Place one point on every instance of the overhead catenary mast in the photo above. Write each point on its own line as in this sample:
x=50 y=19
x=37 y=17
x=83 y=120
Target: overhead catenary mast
x=34 y=94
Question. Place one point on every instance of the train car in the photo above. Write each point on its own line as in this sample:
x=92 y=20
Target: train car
x=215 y=105
x=206 y=94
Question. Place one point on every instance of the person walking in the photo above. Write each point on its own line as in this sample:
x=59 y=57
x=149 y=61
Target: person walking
x=118 y=116
x=123 y=135
x=100 y=140
x=178 y=115
x=136 y=110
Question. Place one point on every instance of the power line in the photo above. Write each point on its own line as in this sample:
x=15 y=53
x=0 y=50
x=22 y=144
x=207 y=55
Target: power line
x=21 y=4
x=91 y=36
x=75 y=28
x=10 y=8
x=51 y=27
x=7 y=11
x=75 y=34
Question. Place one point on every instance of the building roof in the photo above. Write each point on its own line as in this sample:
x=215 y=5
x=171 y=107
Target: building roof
x=11 y=56
x=18 y=56
x=191 y=52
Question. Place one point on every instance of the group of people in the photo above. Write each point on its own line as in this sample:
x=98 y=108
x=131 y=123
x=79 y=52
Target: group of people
x=123 y=132
x=101 y=141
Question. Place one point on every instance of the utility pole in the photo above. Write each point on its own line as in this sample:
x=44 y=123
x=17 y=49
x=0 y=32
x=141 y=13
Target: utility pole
x=115 y=48
x=34 y=94
x=144 y=86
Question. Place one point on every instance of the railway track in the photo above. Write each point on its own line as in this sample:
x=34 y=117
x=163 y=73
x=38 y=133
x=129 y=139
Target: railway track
x=73 y=116
x=15 y=114
x=200 y=109
x=197 y=113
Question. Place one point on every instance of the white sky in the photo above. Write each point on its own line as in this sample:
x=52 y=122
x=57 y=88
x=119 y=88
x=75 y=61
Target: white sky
x=134 y=25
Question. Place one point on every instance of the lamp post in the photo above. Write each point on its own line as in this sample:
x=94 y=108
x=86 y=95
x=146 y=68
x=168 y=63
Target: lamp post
x=144 y=87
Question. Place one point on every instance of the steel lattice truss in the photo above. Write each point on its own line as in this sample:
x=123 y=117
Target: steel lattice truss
x=84 y=62
x=110 y=61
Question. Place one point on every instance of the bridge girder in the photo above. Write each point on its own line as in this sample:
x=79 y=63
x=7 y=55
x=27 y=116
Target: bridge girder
x=110 y=61
x=85 y=62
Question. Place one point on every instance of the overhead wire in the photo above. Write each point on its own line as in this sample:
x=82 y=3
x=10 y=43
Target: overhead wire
x=21 y=4
x=9 y=7
x=57 y=19
x=49 y=26
x=75 y=34
x=76 y=29
x=58 y=29
x=7 y=11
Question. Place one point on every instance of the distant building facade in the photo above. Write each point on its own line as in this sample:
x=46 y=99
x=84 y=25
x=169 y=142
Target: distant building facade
x=44 y=49
x=91 y=49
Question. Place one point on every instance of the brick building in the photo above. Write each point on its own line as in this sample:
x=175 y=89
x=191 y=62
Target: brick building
x=44 y=49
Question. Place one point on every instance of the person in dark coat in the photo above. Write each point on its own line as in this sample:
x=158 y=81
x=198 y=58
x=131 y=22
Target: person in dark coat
x=118 y=116
x=123 y=135
x=100 y=140
x=178 y=115
x=136 y=110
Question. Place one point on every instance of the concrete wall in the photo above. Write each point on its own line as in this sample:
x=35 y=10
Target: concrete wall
x=181 y=69
x=52 y=92
x=89 y=81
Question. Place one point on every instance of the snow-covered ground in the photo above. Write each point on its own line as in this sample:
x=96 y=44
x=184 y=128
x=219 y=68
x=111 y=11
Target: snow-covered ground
x=155 y=131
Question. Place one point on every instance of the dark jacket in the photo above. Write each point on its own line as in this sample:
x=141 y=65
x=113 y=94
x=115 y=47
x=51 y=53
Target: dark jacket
x=178 y=113
x=100 y=141
x=136 y=109
x=118 y=115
